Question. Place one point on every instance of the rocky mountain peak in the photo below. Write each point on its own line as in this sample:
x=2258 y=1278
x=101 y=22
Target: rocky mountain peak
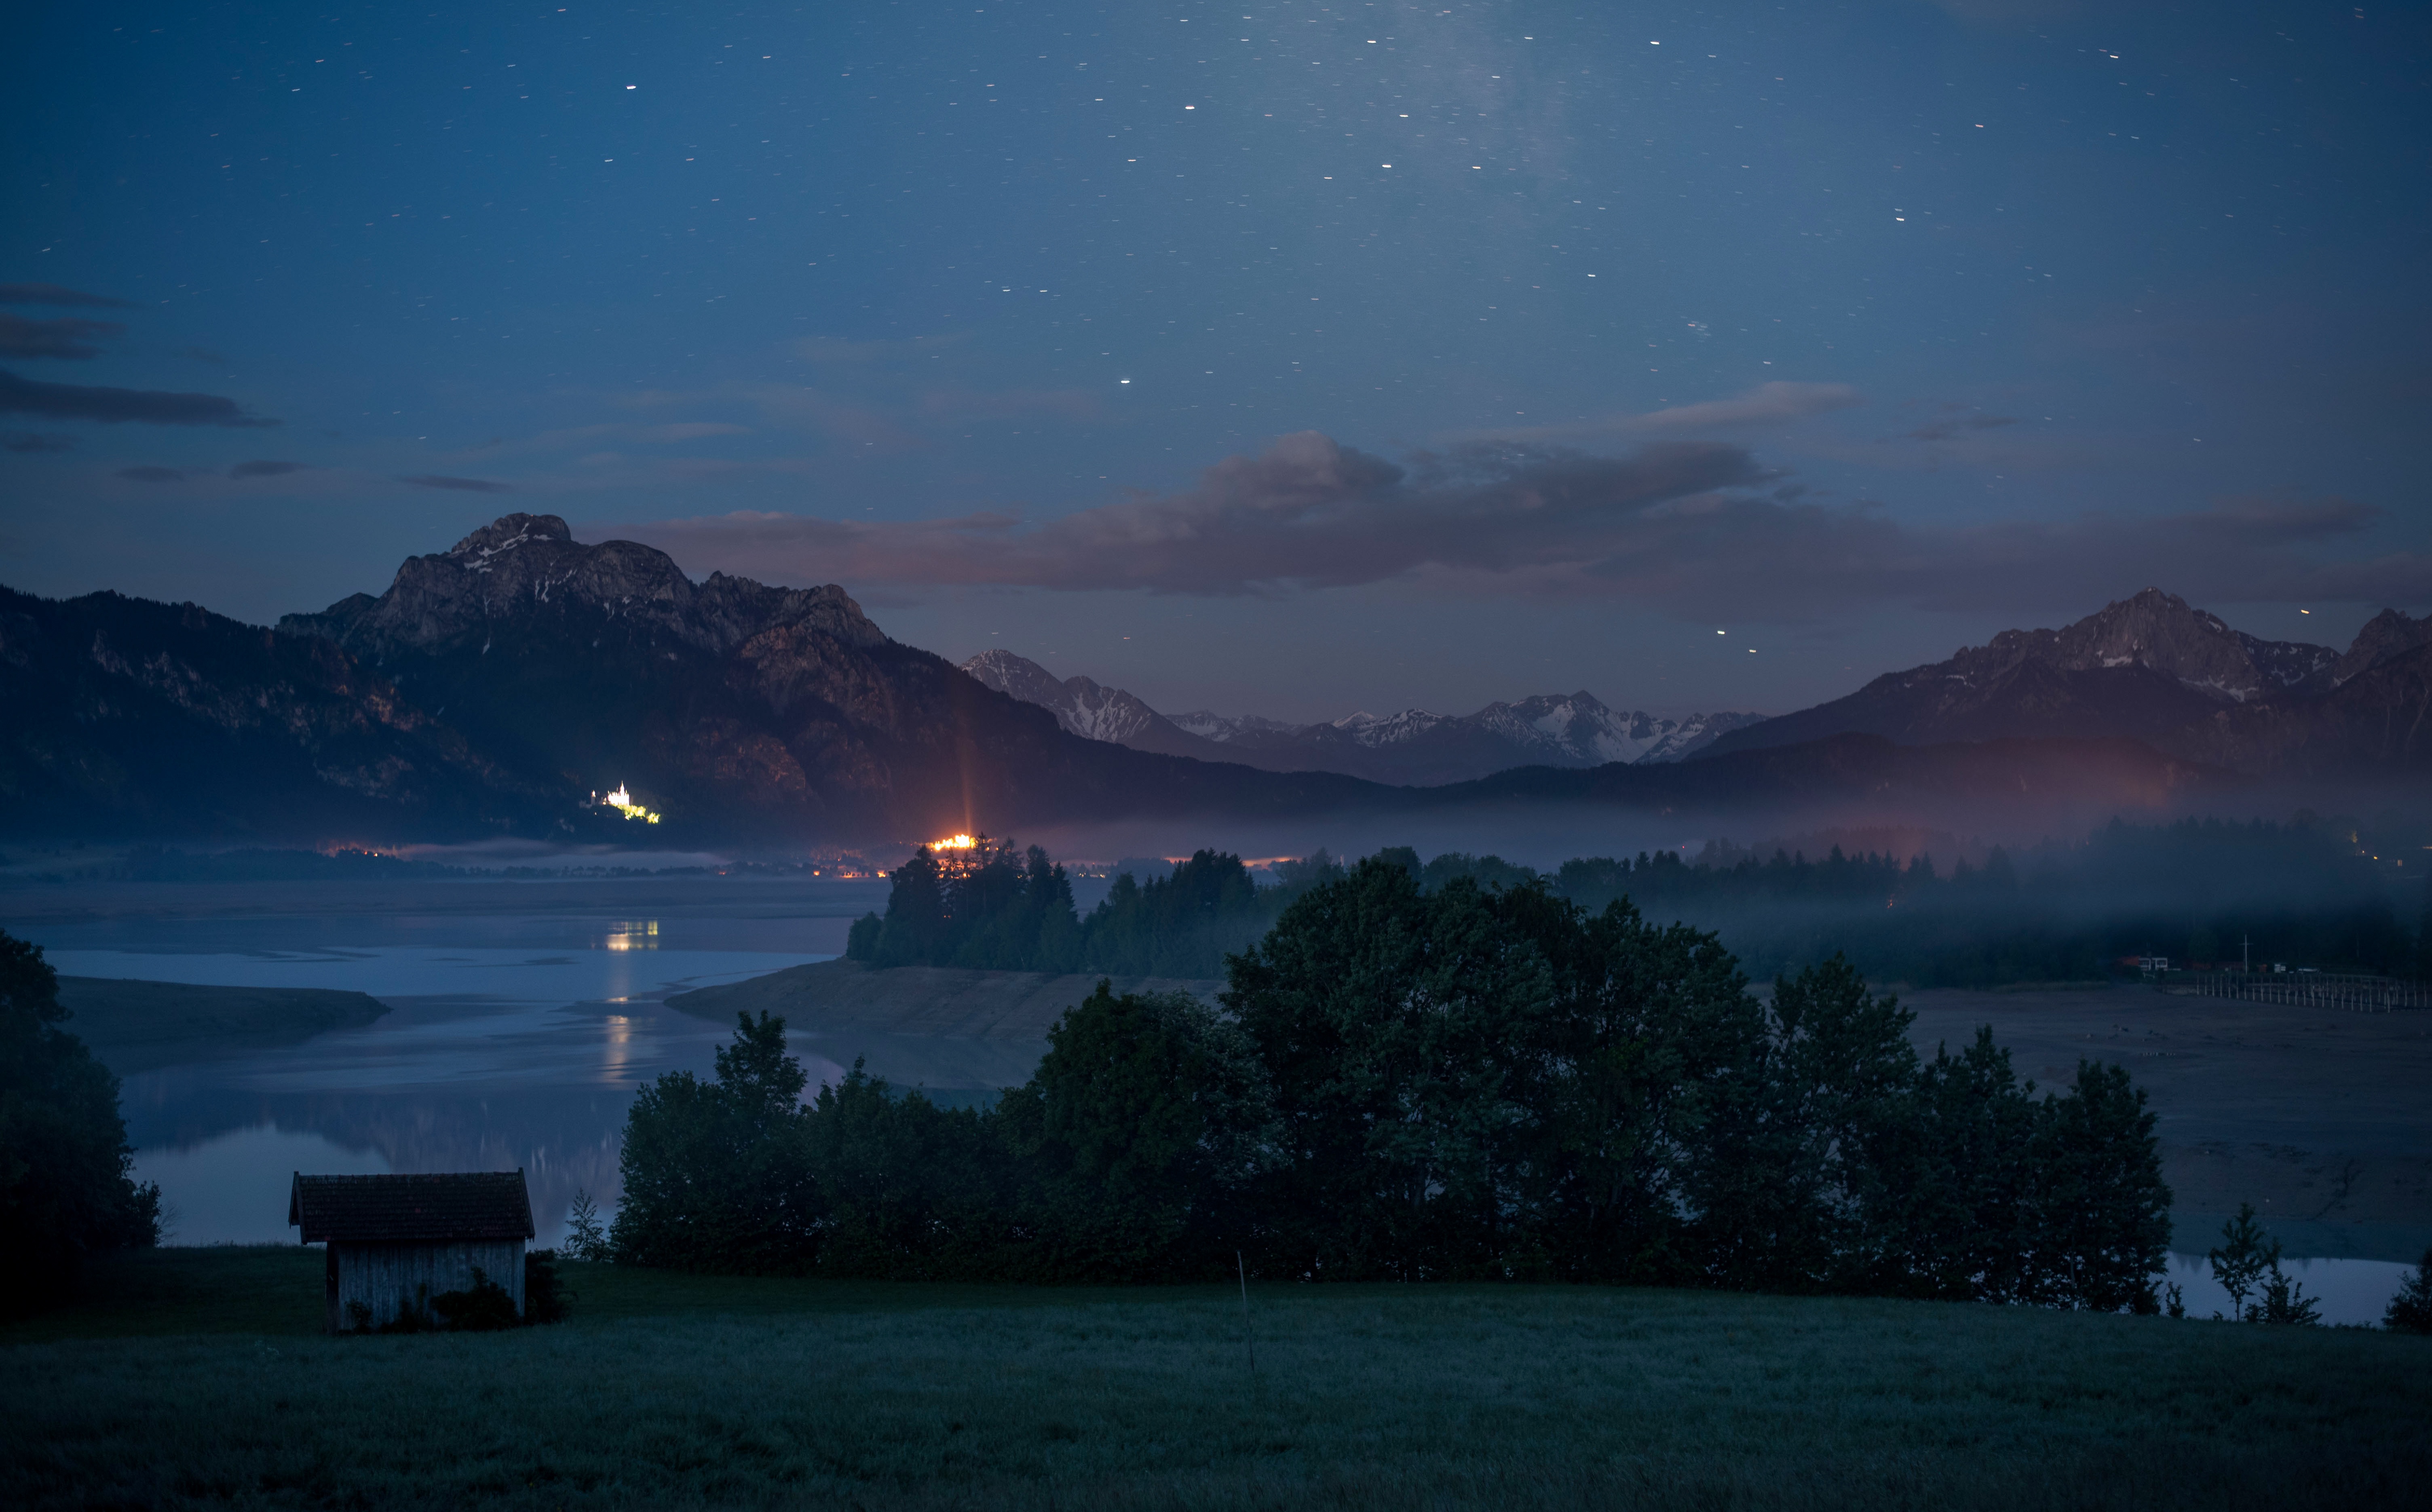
x=2161 y=633
x=524 y=572
x=2386 y=635
x=508 y=532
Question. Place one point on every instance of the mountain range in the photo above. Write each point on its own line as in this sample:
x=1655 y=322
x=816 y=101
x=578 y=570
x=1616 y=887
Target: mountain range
x=1412 y=748
x=2152 y=669
x=500 y=687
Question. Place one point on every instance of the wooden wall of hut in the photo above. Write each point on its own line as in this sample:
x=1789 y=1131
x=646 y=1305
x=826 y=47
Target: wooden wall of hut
x=386 y=1277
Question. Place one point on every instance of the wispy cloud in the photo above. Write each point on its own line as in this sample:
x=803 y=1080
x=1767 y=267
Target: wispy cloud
x=68 y=336
x=54 y=294
x=119 y=406
x=1776 y=403
x=265 y=468
x=470 y=485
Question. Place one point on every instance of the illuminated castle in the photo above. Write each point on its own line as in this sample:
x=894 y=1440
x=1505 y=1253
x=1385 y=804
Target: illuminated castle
x=623 y=803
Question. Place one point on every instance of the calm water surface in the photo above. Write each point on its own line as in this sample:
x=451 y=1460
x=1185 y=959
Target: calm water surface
x=518 y=1039
x=511 y=1040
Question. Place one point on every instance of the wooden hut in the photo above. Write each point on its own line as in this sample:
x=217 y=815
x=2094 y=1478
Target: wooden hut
x=397 y=1241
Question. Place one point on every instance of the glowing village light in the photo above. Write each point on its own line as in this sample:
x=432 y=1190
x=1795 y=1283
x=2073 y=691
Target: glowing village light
x=954 y=843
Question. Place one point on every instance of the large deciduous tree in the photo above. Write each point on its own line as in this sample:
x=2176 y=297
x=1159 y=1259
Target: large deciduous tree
x=66 y=1190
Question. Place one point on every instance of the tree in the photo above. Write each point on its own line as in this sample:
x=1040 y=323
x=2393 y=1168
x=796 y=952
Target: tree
x=2248 y=1260
x=2284 y=1301
x=2245 y=1254
x=1145 y=1129
x=66 y=1187
x=1948 y=1211
x=2410 y=1310
x=718 y=1174
x=916 y=930
x=1398 y=1027
x=1178 y=926
x=910 y=1190
x=585 y=1238
x=1830 y=1074
x=2101 y=1229
x=1652 y=1043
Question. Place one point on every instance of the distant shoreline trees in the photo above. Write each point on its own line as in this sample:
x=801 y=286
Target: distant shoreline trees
x=1000 y=910
x=2189 y=891
x=1433 y=1083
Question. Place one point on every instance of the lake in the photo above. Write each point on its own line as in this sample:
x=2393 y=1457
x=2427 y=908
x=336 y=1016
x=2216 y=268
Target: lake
x=522 y=1019
x=520 y=1023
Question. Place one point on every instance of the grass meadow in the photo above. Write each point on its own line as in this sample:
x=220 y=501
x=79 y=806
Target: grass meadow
x=198 y=1378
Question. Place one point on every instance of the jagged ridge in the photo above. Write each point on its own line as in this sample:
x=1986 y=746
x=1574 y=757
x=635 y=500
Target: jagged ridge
x=2152 y=669
x=1413 y=746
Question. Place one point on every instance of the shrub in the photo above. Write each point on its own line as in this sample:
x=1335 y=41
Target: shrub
x=544 y=1295
x=483 y=1307
x=2410 y=1310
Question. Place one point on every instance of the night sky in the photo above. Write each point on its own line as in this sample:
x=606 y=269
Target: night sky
x=1286 y=359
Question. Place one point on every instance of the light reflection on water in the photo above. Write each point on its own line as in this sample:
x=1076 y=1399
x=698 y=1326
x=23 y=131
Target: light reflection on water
x=488 y=1059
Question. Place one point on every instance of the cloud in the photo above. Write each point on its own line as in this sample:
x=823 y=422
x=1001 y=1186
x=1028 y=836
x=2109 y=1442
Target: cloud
x=1765 y=405
x=203 y=354
x=27 y=442
x=1696 y=528
x=264 y=468
x=1307 y=513
x=1778 y=402
x=1955 y=425
x=151 y=474
x=67 y=336
x=53 y=294
x=472 y=485
x=116 y=406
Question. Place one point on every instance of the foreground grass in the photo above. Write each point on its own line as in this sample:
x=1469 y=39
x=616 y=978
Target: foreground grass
x=675 y=1391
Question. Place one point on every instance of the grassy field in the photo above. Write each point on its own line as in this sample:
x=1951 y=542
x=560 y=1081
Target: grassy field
x=196 y=1379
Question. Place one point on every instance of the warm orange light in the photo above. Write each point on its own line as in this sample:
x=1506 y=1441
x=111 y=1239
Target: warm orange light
x=954 y=843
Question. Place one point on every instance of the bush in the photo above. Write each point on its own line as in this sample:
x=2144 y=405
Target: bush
x=543 y=1290
x=483 y=1307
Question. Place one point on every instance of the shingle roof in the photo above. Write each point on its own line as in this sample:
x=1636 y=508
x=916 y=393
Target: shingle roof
x=411 y=1209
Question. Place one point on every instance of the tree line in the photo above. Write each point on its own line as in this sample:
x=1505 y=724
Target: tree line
x=1413 y=1083
x=2193 y=892
x=1003 y=909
